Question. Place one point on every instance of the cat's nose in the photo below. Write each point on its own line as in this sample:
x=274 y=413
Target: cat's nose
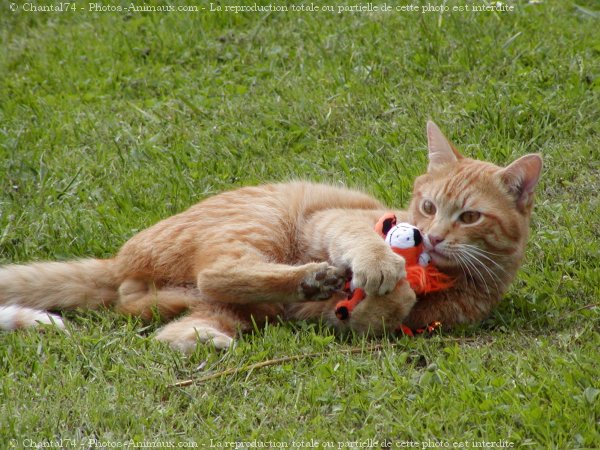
x=435 y=240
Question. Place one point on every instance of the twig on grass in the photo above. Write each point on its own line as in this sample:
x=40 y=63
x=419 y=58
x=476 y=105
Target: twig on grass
x=589 y=306
x=272 y=362
x=278 y=361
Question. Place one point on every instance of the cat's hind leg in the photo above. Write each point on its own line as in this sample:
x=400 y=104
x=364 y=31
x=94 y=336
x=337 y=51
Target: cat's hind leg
x=211 y=323
x=206 y=324
x=143 y=299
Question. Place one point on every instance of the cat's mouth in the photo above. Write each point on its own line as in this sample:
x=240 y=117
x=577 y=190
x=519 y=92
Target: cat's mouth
x=440 y=256
x=437 y=256
x=441 y=259
x=434 y=251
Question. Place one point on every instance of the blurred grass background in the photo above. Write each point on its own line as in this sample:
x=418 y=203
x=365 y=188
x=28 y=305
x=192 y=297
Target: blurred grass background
x=111 y=121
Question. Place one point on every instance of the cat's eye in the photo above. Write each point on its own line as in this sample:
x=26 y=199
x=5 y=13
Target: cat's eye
x=469 y=217
x=428 y=207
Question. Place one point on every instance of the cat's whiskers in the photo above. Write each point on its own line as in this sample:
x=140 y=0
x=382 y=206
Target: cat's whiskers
x=473 y=257
x=466 y=263
x=480 y=252
x=472 y=262
x=468 y=257
x=462 y=266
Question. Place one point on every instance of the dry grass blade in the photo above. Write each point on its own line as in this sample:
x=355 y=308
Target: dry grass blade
x=274 y=362
x=286 y=359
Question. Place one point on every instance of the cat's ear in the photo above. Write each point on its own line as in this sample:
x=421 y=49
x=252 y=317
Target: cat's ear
x=441 y=150
x=521 y=177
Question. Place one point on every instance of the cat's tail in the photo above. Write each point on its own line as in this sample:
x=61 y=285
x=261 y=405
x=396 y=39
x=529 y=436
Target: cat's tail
x=28 y=291
x=14 y=317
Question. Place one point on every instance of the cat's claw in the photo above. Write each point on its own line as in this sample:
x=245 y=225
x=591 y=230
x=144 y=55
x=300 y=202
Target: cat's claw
x=322 y=283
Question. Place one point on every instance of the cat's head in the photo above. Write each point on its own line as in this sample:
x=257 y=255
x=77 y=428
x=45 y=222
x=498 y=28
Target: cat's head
x=474 y=215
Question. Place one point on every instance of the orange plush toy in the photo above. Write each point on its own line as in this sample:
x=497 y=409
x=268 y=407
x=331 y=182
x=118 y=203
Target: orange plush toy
x=407 y=241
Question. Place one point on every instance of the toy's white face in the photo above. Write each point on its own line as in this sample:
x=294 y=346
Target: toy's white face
x=403 y=235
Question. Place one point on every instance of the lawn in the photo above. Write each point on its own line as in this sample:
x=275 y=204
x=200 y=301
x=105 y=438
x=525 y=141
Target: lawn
x=110 y=121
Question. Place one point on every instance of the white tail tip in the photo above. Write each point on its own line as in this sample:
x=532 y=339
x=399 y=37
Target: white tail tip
x=14 y=317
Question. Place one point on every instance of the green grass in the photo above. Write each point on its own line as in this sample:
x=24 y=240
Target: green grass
x=110 y=122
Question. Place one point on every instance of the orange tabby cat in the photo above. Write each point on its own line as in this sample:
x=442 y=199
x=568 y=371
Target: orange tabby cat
x=285 y=250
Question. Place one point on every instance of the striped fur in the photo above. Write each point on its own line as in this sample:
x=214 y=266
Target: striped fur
x=257 y=253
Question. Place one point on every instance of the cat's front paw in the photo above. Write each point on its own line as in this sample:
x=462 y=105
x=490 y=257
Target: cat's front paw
x=377 y=272
x=321 y=282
